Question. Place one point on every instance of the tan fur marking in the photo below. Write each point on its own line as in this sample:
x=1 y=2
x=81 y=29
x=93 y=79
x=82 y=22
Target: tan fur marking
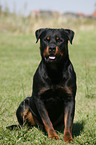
x=68 y=90
x=67 y=131
x=48 y=38
x=46 y=51
x=42 y=90
x=50 y=130
x=58 y=51
x=30 y=118
x=57 y=38
x=25 y=112
x=65 y=119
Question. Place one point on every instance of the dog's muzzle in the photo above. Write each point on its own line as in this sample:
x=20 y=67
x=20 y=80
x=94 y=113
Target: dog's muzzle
x=52 y=50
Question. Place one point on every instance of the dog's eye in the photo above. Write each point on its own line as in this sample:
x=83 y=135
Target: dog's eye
x=47 y=39
x=58 y=39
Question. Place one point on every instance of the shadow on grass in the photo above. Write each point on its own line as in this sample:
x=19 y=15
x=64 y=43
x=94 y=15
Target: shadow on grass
x=77 y=128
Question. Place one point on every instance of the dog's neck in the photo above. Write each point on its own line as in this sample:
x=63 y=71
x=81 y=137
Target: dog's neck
x=55 y=69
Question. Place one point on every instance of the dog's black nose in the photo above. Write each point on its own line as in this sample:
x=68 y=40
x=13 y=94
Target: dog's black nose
x=52 y=49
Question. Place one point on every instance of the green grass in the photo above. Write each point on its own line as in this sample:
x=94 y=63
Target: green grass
x=19 y=58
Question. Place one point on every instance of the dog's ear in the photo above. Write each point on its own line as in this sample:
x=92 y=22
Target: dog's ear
x=70 y=34
x=38 y=34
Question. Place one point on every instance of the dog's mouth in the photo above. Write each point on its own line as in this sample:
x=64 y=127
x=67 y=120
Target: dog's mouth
x=52 y=57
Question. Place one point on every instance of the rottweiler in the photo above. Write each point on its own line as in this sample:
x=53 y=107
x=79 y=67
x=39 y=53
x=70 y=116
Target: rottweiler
x=54 y=86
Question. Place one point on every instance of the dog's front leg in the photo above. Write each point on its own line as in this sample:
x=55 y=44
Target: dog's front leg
x=68 y=120
x=46 y=120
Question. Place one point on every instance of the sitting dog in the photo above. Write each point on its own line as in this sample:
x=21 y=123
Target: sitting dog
x=54 y=86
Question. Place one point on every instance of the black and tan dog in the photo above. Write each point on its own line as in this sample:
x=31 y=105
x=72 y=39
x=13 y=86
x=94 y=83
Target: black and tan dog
x=54 y=86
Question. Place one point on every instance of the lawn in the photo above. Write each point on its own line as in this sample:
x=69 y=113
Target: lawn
x=19 y=58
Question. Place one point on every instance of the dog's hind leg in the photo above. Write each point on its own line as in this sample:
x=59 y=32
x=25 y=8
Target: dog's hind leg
x=24 y=113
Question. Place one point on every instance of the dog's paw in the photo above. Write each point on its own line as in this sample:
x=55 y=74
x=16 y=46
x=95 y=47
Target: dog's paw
x=52 y=134
x=55 y=137
x=68 y=137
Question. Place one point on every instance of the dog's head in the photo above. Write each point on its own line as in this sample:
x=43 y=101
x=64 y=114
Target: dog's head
x=54 y=43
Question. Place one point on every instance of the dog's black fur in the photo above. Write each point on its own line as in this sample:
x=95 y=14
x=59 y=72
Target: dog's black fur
x=54 y=85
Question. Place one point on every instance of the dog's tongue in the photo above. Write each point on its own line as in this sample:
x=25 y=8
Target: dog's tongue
x=51 y=57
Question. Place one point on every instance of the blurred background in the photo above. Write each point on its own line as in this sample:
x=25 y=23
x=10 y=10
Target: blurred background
x=20 y=56
x=25 y=16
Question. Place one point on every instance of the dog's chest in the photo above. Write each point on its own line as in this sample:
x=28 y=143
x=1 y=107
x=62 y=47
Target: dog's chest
x=54 y=94
x=54 y=100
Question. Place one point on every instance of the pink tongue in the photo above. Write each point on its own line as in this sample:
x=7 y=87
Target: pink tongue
x=51 y=57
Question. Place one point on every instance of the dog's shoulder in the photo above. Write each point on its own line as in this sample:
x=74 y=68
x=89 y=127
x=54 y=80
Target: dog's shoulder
x=40 y=77
x=69 y=74
x=40 y=72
